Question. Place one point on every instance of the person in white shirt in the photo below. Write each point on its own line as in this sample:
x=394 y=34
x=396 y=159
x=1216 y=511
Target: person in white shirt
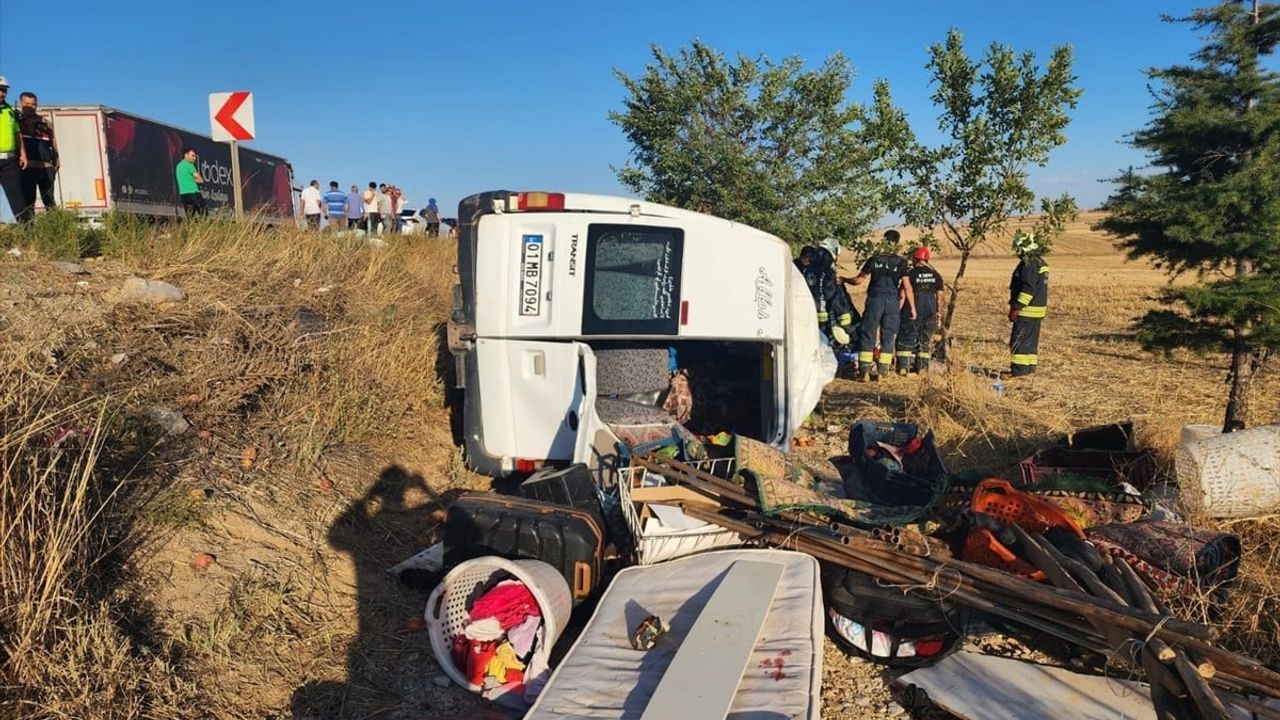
x=312 y=205
x=371 y=209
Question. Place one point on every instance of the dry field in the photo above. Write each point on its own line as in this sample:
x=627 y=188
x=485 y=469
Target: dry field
x=320 y=452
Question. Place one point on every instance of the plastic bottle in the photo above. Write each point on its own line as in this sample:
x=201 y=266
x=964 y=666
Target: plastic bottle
x=998 y=386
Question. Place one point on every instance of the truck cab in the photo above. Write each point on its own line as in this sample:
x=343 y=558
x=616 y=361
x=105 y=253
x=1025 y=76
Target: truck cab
x=573 y=310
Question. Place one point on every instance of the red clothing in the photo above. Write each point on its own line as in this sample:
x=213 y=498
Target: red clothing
x=509 y=603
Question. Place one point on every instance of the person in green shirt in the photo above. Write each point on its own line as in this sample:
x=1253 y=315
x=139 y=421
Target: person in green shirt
x=189 y=182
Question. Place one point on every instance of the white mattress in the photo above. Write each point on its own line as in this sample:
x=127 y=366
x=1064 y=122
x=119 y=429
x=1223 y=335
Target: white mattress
x=603 y=677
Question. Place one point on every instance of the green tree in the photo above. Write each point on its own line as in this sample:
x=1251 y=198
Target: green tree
x=772 y=145
x=997 y=117
x=1211 y=201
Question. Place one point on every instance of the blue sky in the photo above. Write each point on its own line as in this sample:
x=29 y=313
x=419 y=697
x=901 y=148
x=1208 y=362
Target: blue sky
x=445 y=99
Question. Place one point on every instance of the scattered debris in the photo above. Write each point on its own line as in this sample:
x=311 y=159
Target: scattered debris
x=1238 y=473
x=326 y=485
x=119 y=358
x=14 y=252
x=151 y=291
x=170 y=421
x=248 y=456
x=70 y=268
x=202 y=561
x=973 y=686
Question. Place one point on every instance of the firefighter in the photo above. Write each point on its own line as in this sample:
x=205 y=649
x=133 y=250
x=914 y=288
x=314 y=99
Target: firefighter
x=1028 y=298
x=916 y=336
x=889 y=290
x=835 y=311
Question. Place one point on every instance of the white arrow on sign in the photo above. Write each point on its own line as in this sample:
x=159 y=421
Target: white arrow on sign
x=231 y=115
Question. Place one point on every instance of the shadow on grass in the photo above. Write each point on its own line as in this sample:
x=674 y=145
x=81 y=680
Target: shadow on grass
x=389 y=664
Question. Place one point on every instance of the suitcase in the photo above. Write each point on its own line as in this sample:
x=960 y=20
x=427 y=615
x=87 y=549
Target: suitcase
x=885 y=621
x=570 y=487
x=568 y=539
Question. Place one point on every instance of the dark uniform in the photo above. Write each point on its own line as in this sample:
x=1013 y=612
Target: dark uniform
x=1029 y=295
x=831 y=300
x=917 y=335
x=881 y=312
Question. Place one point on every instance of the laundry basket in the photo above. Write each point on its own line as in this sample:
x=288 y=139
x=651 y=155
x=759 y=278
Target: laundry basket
x=1238 y=473
x=447 y=608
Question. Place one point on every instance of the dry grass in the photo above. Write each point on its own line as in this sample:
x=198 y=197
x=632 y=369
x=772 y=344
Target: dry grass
x=317 y=357
x=305 y=349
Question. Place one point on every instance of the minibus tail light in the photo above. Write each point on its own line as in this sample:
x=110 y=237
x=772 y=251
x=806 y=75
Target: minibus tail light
x=540 y=201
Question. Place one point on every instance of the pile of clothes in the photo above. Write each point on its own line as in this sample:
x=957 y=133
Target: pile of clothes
x=498 y=648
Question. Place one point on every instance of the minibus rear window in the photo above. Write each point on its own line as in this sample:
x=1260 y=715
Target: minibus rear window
x=633 y=280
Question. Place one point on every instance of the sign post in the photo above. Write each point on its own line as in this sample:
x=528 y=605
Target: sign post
x=231 y=116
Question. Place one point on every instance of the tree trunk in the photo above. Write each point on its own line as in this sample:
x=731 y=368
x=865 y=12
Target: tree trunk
x=955 y=292
x=1245 y=364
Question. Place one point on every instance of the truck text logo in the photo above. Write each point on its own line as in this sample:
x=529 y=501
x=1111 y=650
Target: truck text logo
x=573 y=255
x=764 y=295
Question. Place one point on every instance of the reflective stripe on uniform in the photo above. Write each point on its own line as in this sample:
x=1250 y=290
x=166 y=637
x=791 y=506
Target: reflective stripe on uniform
x=903 y=353
x=1025 y=359
x=923 y=355
x=1044 y=269
x=866 y=356
x=1024 y=298
x=844 y=319
x=822 y=316
x=1032 y=312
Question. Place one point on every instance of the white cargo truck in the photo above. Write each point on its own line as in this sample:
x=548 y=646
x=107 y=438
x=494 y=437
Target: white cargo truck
x=572 y=310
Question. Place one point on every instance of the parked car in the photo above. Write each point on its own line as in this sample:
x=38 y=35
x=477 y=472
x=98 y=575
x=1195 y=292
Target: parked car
x=575 y=287
x=410 y=222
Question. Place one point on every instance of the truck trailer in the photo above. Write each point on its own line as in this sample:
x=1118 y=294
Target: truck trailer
x=117 y=161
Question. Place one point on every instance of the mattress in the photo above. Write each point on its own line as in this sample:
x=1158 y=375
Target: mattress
x=603 y=677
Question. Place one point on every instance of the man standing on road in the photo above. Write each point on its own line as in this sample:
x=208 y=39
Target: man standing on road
x=189 y=182
x=335 y=203
x=889 y=288
x=431 y=216
x=13 y=154
x=312 y=205
x=397 y=202
x=355 y=208
x=42 y=155
x=915 y=339
x=1028 y=300
x=386 y=209
x=371 y=209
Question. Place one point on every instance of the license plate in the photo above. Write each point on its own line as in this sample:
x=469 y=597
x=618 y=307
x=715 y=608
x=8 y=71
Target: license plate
x=531 y=275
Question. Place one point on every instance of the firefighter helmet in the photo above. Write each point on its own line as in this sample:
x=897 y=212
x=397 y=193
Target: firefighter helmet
x=922 y=254
x=892 y=238
x=1025 y=243
x=832 y=246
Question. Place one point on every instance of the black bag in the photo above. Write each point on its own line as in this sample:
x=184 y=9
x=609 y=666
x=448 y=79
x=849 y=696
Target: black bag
x=568 y=539
x=571 y=487
x=933 y=628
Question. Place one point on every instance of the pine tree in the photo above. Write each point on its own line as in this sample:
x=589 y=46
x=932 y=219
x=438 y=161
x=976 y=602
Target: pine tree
x=1211 y=203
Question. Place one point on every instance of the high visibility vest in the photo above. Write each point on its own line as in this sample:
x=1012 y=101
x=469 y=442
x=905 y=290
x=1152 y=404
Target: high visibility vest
x=8 y=129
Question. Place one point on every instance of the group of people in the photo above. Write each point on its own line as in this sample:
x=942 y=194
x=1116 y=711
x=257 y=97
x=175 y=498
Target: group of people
x=377 y=210
x=29 y=159
x=904 y=300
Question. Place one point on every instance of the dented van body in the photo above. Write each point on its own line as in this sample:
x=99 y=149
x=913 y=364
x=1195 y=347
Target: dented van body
x=552 y=283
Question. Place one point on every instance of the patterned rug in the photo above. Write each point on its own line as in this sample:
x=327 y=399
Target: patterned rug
x=781 y=485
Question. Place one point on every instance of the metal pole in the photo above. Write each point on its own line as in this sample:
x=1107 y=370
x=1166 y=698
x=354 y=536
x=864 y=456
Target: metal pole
x=236 y=193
